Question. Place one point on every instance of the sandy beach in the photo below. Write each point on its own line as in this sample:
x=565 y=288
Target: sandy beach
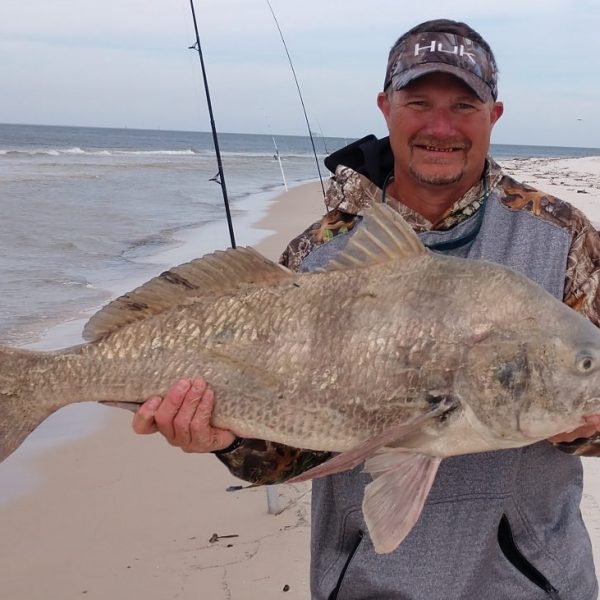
x=113 y=515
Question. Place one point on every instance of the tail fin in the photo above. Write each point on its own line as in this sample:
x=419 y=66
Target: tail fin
x=20 y=412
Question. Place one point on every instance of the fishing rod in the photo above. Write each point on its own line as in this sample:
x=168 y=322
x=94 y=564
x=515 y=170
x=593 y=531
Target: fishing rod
x=310 y=134
x=278 y=157
x=323 y=137
x=220 y=177
x=273 y=504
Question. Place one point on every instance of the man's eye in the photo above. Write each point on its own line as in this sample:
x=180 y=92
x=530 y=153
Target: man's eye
x=465 y=106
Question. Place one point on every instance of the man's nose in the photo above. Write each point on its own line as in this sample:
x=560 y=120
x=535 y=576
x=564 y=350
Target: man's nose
x=441 y=123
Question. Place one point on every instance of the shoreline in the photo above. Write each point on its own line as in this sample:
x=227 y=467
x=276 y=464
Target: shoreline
x=188 y=244
x=111 y=514
x=77 y=422
x=88 y=514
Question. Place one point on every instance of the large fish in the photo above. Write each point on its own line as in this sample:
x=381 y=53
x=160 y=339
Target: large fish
x=392 y=355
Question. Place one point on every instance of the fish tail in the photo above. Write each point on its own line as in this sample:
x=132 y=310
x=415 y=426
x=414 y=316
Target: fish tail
x=20 y=412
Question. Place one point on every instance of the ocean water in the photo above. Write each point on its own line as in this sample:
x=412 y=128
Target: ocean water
x=85 y=208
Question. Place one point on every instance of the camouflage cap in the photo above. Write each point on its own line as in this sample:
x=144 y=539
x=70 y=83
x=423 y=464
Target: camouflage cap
x=429 y=52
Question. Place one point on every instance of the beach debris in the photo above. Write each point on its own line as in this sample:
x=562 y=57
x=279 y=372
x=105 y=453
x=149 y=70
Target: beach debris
x=392 y=356
x=286 y=588
x=234 y=488
x=215 y=537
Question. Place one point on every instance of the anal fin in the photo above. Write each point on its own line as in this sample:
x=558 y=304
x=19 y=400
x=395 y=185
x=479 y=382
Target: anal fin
x=394 y=500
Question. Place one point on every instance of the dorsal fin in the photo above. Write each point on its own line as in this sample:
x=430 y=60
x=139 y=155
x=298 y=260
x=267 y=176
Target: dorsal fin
x=217 y=273
x=382 y=236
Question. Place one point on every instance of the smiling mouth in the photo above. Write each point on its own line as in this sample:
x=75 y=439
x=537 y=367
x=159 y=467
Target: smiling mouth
x=438 y=149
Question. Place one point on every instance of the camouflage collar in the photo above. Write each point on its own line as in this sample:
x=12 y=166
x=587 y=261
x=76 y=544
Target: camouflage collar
x=350 y=192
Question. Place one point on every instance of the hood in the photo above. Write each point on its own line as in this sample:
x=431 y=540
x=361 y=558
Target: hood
x=368 y=156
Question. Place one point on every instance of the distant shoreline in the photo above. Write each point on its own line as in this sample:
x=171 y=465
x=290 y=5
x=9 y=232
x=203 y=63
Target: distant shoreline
x=498 y=149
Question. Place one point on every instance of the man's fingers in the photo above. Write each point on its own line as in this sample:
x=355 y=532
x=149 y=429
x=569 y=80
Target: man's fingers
x=585 y=431
x=167 y=411
x=591 y=428
x=183 y=419
x=201 y=418
x=205 y=437
x=593 y=421
x=143 y=420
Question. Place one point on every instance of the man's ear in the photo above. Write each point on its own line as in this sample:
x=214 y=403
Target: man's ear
x=383 y=102
x=497 y=112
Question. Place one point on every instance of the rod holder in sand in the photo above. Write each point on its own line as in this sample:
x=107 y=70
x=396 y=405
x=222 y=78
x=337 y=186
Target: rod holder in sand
x=273 y=504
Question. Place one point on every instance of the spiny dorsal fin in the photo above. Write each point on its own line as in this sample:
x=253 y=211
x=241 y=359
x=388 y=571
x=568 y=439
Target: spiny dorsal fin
x=217 y=273
x=382 y=236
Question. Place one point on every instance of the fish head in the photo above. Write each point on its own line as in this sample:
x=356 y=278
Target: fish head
x=528 y=383
x=570 y=366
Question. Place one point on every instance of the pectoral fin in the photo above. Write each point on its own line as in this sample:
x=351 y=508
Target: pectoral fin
x=389 y=437
x=393 y=501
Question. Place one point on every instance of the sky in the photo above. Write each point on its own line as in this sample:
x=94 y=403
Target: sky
x=126 y=63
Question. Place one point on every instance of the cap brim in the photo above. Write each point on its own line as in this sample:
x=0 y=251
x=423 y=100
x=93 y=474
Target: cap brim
x=401 y=80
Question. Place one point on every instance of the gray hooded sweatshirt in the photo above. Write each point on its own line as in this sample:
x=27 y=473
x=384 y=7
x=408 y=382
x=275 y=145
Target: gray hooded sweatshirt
x=497 y=525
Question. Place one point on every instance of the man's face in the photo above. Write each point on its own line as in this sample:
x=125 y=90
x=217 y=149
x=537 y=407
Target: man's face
x=439 y=130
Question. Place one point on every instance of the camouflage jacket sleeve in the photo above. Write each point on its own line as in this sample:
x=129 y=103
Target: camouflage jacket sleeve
x=259 y=461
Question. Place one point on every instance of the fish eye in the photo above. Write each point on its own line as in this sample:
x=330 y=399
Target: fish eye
x=584 y=362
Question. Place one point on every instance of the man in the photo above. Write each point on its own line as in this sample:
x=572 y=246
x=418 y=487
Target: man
x=496 y=525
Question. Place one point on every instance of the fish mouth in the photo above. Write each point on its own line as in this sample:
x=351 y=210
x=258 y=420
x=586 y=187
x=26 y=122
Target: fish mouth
x=541 y=426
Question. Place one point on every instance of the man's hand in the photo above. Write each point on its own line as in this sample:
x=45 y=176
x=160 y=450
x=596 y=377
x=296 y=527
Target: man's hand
x=183 y=417
x=591 y=427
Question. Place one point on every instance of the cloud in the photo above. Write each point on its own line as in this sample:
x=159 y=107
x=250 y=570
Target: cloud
x=111 y=18
x=116 y=62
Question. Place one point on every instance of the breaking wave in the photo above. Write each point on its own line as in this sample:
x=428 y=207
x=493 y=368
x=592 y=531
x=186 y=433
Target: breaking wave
x=114 y=152
x=76 y=151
